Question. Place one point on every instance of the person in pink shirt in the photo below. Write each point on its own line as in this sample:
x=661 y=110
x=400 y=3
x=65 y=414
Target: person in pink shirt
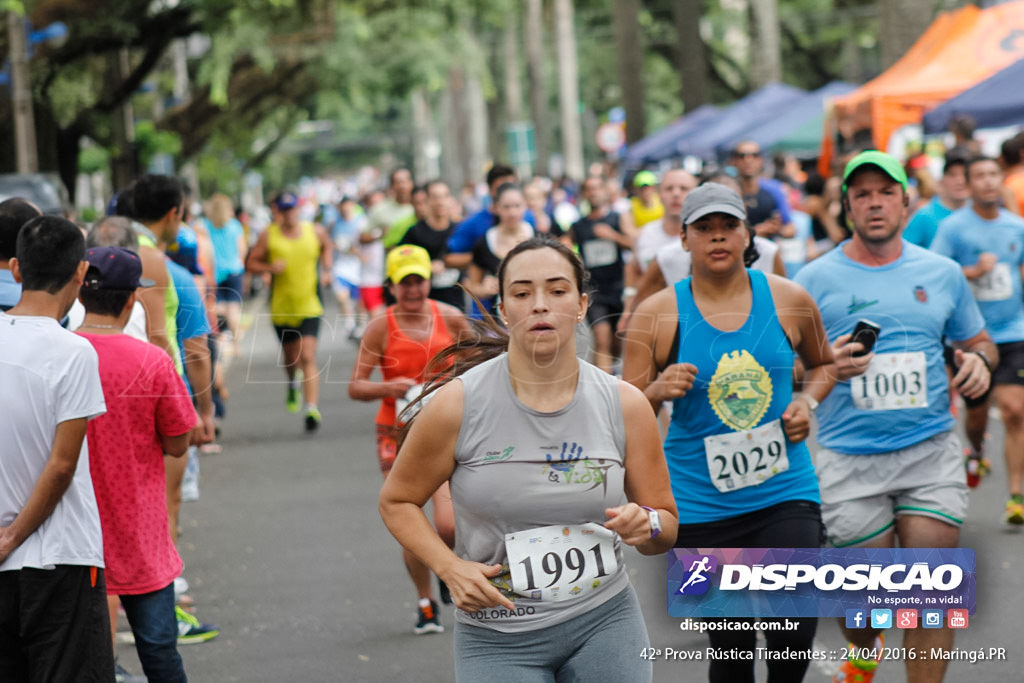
x=149 y=413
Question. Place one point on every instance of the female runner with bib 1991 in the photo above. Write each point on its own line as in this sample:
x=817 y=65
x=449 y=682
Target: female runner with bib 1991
x=547 y=485
x=720 y=345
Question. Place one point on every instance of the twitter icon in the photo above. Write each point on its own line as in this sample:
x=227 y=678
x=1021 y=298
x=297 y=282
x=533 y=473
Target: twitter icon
x=881 y=618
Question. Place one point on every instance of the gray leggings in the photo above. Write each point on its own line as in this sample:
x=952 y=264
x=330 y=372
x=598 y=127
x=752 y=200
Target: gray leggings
x=600 y=646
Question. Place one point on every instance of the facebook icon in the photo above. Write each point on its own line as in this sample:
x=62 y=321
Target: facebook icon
x=855 y=618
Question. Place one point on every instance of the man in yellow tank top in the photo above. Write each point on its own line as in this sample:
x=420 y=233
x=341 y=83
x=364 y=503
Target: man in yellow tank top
x=646 y=204
x=290 y=249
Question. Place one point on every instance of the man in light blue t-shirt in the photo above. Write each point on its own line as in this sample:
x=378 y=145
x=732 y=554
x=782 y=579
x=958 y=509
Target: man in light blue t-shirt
x=890 y=467
x=952 y=195
x=14 y=213
x=988 y=243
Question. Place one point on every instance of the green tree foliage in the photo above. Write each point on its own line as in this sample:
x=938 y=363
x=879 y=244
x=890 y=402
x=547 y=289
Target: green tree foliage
x=268 y=65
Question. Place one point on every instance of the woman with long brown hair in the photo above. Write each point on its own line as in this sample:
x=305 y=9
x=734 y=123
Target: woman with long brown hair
x=547 y=485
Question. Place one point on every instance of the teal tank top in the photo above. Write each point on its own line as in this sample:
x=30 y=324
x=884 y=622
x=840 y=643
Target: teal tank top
x=744 y=381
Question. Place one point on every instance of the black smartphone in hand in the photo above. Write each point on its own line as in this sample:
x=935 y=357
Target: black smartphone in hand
x=865 y=332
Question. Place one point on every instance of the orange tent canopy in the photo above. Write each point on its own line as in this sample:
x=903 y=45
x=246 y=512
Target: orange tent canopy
x=960 y=48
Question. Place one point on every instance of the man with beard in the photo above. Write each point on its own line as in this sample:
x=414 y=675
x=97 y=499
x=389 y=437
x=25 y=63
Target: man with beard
x=890 y=467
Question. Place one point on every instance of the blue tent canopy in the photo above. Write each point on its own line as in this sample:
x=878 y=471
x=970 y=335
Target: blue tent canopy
x=661 y=144
x=995 y=102
x=766 y=104
x=806 y=110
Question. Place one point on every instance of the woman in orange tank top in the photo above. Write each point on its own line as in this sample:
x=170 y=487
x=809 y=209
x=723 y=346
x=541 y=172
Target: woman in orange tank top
x=401 y=344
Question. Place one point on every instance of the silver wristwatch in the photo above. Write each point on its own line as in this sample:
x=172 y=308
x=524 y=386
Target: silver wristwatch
x=812 y=402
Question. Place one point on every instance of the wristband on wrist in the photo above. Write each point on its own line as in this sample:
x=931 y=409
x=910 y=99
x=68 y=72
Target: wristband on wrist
x=984 y=359
x=628 y=293
x=655 y=520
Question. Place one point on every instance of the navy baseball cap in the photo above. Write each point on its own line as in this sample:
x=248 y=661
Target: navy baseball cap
x=286 y=200
x=115 y=268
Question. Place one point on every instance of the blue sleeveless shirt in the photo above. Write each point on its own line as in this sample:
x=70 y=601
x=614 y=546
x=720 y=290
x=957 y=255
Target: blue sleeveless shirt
x=744 y=380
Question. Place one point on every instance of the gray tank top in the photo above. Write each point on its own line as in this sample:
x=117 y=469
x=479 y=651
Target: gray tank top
x=518 y=469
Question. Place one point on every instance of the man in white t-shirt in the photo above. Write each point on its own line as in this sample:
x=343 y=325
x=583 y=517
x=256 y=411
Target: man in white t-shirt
x=671 y=263
x=397 y=206
x=675 y=185
x=657 y=234
x=53 y=605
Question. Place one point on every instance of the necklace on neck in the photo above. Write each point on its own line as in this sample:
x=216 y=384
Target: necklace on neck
x=101 y=327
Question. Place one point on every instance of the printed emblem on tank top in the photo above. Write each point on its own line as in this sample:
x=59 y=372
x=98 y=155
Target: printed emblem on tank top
x=568 y=464
x=740 y=391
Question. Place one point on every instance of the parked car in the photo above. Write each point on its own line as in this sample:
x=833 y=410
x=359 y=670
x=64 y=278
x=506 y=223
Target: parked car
x=42 y=189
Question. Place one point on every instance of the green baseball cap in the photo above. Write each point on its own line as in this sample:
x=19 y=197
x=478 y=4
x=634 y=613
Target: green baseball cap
x=886 y=163
x=644 y=178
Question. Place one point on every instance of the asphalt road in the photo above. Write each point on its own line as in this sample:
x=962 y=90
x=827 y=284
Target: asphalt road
x=285 y=552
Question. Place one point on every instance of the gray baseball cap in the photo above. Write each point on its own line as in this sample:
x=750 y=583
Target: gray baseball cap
x=712 y=198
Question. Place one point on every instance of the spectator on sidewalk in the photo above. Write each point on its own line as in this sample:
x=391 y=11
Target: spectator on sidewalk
x=14 y=213
x=149 y=413
x=53 y=607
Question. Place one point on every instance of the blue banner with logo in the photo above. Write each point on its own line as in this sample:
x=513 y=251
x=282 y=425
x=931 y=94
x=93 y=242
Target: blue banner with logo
x=819 y=582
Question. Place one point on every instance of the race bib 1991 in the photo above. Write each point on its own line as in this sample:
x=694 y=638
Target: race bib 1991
x=560 y=562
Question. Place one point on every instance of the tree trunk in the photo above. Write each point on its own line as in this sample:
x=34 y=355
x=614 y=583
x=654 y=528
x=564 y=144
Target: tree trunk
x=568 y=89
x=496 y=69
x=424 y=139
x=514 y=123
x=631 y=66
x=455 y=156
x=692 y=54
x=124 y=163
x=20 y=82
x=513 y=88
x=766 y=50
x=68 y=146
x=902 y=23
x=851 y=69
x=477 y=113
x=533 y=34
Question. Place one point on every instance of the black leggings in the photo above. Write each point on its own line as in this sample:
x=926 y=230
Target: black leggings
x=794 y=524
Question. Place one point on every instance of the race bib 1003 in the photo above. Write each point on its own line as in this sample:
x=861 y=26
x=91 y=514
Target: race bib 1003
x=893 y=381
x=560 y=562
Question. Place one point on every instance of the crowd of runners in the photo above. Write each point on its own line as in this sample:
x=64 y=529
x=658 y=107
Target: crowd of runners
x=510 y=334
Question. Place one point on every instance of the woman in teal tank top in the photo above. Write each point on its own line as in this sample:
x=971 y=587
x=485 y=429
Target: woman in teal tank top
x=721 y=346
